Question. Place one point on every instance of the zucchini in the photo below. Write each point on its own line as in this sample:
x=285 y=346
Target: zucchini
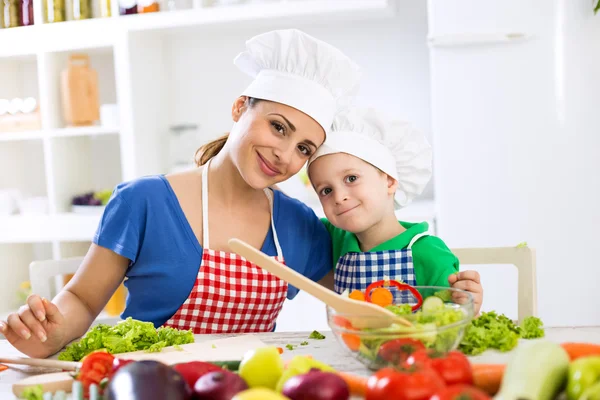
x=536 y=371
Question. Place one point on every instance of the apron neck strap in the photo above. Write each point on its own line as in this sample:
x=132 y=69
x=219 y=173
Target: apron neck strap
x=269 y=194
x=205 y=237
x=205 y=234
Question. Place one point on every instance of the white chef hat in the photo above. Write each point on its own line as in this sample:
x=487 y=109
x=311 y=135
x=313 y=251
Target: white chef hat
x=295 y=69
x=398 y=149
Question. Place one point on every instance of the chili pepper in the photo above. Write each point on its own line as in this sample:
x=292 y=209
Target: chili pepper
x=399 y=286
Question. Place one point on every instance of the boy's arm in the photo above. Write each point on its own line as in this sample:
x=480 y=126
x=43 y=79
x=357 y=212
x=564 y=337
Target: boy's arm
x=433 y=262
x=436 y=265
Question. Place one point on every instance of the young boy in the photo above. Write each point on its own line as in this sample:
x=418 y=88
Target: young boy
x=362 y=173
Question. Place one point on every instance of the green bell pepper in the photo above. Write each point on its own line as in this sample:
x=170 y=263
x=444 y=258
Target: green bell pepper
x=583 y=374
x=592 y=393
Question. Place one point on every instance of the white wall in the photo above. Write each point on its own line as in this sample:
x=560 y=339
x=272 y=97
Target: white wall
x=517 y=134
x=392 y=53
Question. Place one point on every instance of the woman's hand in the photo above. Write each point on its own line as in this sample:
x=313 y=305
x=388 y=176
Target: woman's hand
x=37 y=329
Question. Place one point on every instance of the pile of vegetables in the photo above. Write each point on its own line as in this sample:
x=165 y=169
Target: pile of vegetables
x=539 y=370
x=126 y=336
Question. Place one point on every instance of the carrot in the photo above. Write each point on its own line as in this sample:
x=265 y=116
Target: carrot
x=356 y=384
x=488 y=377
x=280 y=350
x=352 y=341
x=382 y=297
x=579 y=350
x=357 y=295
x=3 y=367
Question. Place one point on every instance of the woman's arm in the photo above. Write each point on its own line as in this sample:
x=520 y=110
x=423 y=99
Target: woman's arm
x=88 y=292
x=41 y=328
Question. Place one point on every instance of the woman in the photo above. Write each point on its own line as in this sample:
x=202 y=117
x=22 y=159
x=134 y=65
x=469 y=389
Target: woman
x=168 y=234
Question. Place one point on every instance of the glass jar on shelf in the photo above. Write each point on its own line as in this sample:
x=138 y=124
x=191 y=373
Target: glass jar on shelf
x=148 y=6
x=82 y=9
x=105 y=11
x=55 y=11
x=12 y=13
x=27 y=12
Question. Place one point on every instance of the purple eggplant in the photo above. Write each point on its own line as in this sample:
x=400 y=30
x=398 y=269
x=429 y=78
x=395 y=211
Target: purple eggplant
x=147 y=379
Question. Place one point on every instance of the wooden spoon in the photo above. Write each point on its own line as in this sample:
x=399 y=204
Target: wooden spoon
x=373 y=316
x=42 y=362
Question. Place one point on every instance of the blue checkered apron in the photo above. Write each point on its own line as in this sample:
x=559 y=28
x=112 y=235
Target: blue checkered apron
x=356 y=271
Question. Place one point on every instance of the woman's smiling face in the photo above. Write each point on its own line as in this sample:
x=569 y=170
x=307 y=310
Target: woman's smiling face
x=270 y=142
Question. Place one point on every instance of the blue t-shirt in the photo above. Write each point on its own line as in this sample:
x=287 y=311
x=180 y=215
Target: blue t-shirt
x=144 y=222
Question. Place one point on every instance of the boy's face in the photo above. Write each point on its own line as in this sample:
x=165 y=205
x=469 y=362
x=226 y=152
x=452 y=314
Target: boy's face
x=354 y=194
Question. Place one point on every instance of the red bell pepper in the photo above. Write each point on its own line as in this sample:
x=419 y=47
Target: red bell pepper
x=399 y=286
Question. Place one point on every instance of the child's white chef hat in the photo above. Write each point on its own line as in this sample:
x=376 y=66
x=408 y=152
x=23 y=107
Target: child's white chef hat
x=398 y=149
x=295 y=69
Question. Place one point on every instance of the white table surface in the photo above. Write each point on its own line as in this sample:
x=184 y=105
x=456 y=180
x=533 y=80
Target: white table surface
x=327 y=350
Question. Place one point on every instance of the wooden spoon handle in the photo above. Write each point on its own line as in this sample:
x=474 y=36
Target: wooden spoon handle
x=41 y=362
x=282 y=272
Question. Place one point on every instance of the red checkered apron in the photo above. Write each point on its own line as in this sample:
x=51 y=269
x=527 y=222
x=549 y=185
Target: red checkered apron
x=231 y=294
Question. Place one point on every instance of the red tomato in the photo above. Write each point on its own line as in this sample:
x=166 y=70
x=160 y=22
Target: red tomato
x=416 y=383
x=454 y=368
x=397 y=351
x=94 y=368
x=193 y=370
x=460 y=392
x=420 y=357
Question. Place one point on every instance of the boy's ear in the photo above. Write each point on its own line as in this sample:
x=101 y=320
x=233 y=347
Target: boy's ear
x=392 y=185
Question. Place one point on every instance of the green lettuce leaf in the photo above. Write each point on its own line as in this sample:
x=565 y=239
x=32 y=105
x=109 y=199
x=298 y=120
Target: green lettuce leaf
x=531 y=328
x=127 y=336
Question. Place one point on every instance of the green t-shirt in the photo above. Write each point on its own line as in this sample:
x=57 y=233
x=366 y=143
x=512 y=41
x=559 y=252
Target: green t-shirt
x=432 y=259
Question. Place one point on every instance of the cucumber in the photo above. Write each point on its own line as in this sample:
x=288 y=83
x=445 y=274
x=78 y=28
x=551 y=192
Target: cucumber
x=432 y=304
x=536 y=371
x=228 y=365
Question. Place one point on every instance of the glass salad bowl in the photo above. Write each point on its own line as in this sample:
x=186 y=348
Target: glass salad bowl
x=439 y=317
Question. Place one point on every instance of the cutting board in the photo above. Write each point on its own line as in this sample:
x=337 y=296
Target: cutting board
x=228 y=349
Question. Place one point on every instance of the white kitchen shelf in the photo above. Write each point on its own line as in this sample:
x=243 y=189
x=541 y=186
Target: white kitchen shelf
x=47 y=228
x=54 y=133
x=102 y=32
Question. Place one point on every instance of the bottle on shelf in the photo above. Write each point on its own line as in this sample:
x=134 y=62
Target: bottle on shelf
x=148 y=6
x=54 y=11
x=79 y=90
x=27 y=12
x=12 y=13
x=105 y=8
x=82 y=9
